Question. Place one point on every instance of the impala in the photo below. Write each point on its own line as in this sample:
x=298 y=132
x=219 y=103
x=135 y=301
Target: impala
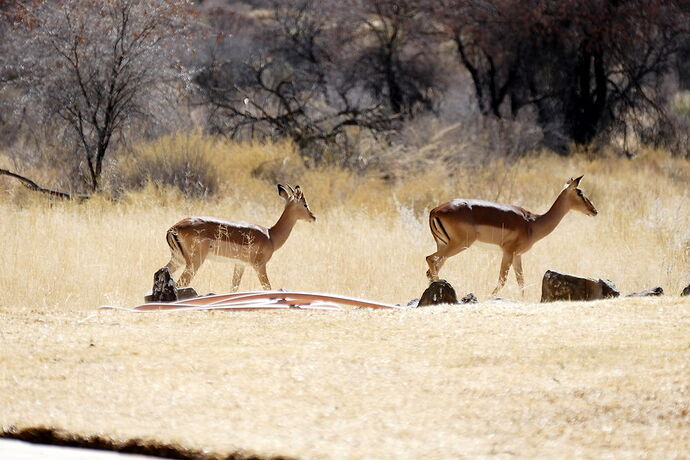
x=194 y=239
x=457 y=224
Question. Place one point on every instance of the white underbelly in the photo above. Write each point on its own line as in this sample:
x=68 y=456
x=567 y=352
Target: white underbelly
x=492 y=236
x=229 y=252
x=219 y=258
x=485 y=246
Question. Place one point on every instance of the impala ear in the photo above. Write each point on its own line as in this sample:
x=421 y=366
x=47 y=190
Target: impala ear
x=573 y=182
x=577 y=180
x=282 y=191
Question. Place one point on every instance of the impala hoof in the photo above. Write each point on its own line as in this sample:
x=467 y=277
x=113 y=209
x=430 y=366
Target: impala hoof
x=431 y=277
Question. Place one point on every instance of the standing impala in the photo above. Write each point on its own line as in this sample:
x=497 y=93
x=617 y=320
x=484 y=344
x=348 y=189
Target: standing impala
x=193 y=239
x=457 y=224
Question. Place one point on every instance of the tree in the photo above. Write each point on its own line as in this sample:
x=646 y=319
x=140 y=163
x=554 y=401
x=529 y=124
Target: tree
x=489 y=38
x=588 y=67
x=290 y=84
x=318 y=67
x=96 y=66
x=393 y=57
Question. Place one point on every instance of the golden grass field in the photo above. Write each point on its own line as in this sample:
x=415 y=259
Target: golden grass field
x=600 y=379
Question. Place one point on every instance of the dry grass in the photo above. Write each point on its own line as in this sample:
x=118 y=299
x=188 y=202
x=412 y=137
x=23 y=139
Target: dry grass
x=606 y=378
x=609 y=378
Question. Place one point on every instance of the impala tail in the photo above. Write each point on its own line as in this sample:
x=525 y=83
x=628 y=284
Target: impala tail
x=174 y=243
x=438 y=230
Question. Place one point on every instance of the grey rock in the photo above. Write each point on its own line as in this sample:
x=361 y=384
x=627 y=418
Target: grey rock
x=413 y=303
x=657 y=291
x=187 y=293
x=469 y=298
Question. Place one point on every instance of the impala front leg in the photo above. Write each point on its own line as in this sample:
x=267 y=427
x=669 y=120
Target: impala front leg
x=237 y=277
x=263 y=277
x=506 y=262
x=517 y=265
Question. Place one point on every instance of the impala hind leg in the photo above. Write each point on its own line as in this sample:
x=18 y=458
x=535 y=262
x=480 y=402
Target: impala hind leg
x=506 y=262
x=174 y=264
x=192 y=264
x=438 y=258
x=187 y=275
x=237 y=277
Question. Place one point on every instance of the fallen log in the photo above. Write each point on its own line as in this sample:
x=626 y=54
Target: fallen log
x=31 y=185
x=563 y=286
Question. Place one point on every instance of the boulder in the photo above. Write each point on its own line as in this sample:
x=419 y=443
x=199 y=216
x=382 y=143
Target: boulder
x=165 y=289
x=438 y=292
x=686 y=291
x=648 y=292
x=562 y=286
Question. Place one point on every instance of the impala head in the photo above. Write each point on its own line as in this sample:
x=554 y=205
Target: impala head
x=295 y=201
x=577 y=199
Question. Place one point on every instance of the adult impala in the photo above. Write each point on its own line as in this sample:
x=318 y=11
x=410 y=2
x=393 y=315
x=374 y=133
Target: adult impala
x=457 y=224
x=194 y=239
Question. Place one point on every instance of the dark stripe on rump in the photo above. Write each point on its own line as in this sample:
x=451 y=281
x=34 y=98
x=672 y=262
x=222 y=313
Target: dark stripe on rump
x=174 y=243
x=439 y=231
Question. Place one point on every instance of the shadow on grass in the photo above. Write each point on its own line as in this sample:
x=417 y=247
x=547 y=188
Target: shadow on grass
x=56 y=437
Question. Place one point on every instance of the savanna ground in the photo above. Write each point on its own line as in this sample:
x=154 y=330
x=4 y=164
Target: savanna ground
x=607 y=378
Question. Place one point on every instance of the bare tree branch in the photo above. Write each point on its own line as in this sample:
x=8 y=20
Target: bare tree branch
x=37 y=188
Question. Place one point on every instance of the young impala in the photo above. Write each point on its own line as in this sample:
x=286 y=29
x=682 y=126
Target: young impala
x=193 y=239
x=457 y=224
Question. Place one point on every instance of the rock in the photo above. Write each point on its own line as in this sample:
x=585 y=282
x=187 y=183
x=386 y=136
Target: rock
x=187 y=293
x=438 y=292
x=469 y=298
x=686 y=291
x=413 y=303
x=165 y=289
x=648 y=292
x=562 y=286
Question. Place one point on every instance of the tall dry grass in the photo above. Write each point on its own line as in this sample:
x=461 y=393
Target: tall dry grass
x=371 y=235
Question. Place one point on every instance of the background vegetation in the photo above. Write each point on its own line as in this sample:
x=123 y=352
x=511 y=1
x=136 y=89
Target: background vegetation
x=372 y=86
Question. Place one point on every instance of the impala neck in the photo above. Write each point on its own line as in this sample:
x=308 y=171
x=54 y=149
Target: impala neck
x=547 y=222
x=280 y=232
